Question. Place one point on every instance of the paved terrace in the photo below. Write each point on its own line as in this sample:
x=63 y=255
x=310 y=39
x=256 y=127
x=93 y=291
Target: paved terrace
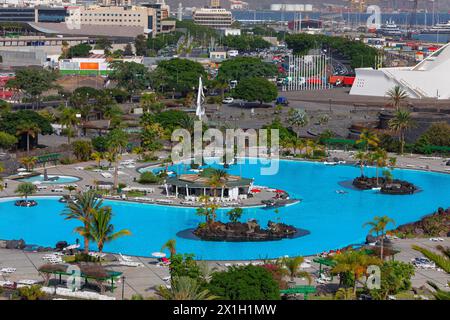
x=143 y=280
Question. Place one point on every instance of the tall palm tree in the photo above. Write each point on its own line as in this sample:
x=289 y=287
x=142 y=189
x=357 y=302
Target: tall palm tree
x=221 y=177
x=379 y=157
x=397 y=96
x=401 y=122
x=292 y=265
x=369 y=139
x=82 y=209
x=378 y=225
x=355 y=262
x=208 y=210
x=362 y=157
x=118 y=140
x=30 y=130
x=101 y=230
x=184 y=288
x=1 y=178
x=68 y=119
x=171 y=246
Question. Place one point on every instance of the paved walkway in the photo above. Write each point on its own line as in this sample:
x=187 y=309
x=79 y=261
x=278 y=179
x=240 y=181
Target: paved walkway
x=143 y=280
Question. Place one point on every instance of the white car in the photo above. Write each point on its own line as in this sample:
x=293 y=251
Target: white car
x=228 y=100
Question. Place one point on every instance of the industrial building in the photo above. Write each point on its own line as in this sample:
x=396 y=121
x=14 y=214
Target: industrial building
x=427 y=79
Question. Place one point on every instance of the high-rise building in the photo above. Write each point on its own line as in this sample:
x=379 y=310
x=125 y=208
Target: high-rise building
x=213 y=16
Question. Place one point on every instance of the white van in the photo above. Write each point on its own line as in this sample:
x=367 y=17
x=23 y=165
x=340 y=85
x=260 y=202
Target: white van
x=232 y=53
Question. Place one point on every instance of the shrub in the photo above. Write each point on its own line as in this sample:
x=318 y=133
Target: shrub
x=244 y=283
x=82 y=149
x=149 y=178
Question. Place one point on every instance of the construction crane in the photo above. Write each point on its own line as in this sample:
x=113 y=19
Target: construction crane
x=412 y=19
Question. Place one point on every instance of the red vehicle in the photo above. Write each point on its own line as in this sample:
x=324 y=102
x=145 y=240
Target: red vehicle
x=345 y=81
x=348 y=81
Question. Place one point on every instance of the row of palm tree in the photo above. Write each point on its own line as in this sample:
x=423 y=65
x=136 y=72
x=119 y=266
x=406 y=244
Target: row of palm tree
x=95 y=218
x=308 y=146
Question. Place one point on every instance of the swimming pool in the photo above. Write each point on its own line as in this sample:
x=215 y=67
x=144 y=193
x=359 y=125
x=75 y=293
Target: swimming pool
x=334 y=220
x=60 y=180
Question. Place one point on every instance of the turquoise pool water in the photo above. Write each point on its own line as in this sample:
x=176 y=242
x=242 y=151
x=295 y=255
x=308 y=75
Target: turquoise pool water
x=60 y=180
x=334 y=220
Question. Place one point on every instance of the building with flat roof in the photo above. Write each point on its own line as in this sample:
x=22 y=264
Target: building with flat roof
x=217 y=18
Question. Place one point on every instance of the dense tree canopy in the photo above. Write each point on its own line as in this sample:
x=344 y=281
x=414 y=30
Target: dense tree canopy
x=244 y=283
x=11 y=121
x=79 y=50
x=438 y=134
x=245 y=67
x=33 y=82
x=246 y=42
x=256 y=89
x=360 y=55
x=130 y=76
x=179 y=74
x=7 y=140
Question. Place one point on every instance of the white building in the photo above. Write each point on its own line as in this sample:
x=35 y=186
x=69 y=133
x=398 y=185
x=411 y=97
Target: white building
x=217 y=18
x=428 y=79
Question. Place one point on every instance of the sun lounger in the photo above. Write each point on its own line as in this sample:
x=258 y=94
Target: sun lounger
x=106 y=175
x=27 y=282
x=125 y=258
x=130 y=263
x=8 y=270
x=79 y=168
x=168 y=278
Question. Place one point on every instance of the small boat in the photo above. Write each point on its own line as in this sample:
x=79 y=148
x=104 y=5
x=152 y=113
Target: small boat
x=376 y=189
x=330 y=163
x=341 y=192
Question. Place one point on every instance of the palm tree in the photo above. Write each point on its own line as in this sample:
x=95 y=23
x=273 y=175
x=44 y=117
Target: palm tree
x=101 y=230
x=355 y=262
x=379 y=157
x=208 y=210
x=118 y=140
x=218 y=179
x=171 y=246
x=184 y=288
x=292 y=265
x=369 y=139
x=378 y=225
x=362 y=157
x=28 y=162
x=401 y=122
x=397 y=96
x=25 y=190
x=439 y=294
x=30 y=129
x=1 y=178
x=98 y=157
x=82 y=209
x=68 y=118
x=70 y=189
x=298 y=118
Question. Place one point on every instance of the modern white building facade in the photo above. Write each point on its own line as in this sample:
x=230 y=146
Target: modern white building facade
x=428 y=79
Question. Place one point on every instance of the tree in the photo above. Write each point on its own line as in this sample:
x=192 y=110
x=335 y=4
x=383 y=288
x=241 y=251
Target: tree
x=368 y=139
x=97 y=157
x=140 y=44
x=117 y=141
x=184 y=288
x=82 y=209
x=171 y=246
x=401 y=122
x=82 y=149
x=130 y=76
x=101 y=230
x=7 y=140
x=397 y=96
x=256 y=89
x=128 y=50
x=395 y=277
x=30 y=130
x=235 y=214
x=438 y=134
x=33 y=292
x=293 y=264
x=208 y=210
x=28 y=162
x=68 y=119
x=178 y=74
x=79 y=50
x=25 y=189
x=355 y=263
x=245 y=67
x=378 y=225
x=33 y=83
x=103 y=43
x=298 y=118
x=362 y=157
x=344 y=294
x=244 y=283
x=379 y=157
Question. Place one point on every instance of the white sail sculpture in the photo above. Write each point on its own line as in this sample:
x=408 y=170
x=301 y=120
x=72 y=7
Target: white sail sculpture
x=200 y=112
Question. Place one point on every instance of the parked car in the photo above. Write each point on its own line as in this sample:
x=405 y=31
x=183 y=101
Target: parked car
x=228 y=100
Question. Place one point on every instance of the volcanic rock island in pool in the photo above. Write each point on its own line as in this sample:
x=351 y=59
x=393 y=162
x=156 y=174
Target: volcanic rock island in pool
x=240 y=232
